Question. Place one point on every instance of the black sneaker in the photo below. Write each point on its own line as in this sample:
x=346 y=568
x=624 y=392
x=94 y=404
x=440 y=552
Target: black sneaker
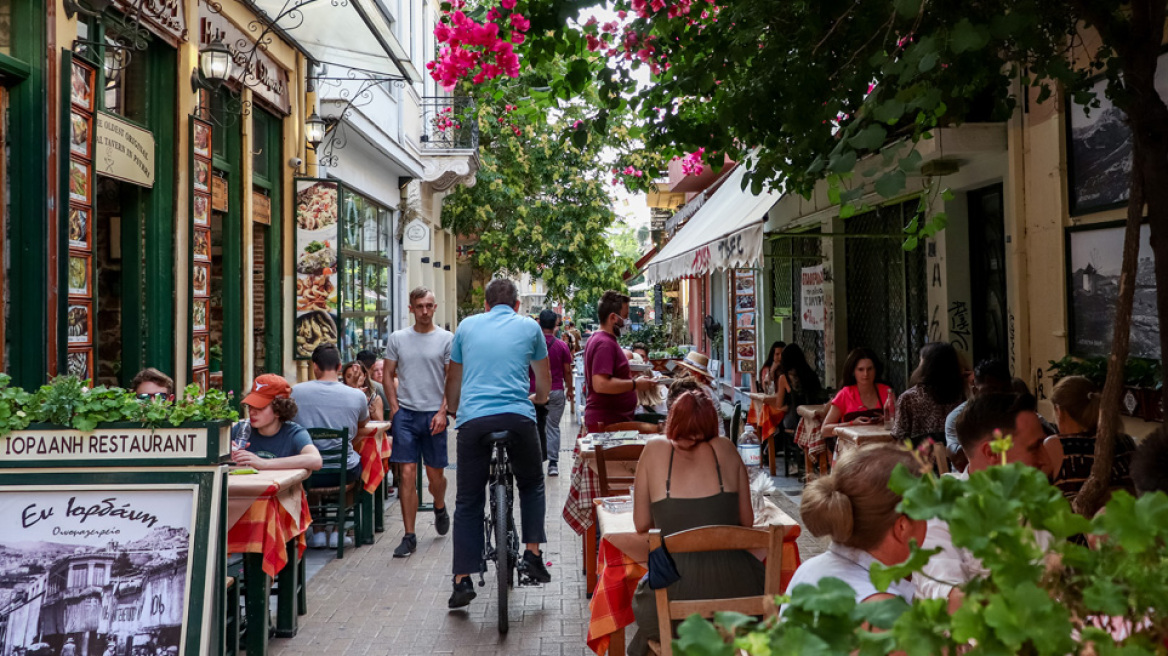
x=462 y=595
x=553 y=469
x=441 y=520
x=532 y=565
x=408 y=546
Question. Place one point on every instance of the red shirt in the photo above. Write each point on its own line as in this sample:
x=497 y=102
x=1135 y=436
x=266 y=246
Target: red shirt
x=604 y=356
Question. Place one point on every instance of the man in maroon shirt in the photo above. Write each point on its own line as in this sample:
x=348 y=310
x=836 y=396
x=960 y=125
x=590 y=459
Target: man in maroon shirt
x=612 y=391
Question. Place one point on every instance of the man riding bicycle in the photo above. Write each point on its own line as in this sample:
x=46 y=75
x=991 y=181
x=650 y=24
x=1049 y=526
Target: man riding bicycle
x=487 y=391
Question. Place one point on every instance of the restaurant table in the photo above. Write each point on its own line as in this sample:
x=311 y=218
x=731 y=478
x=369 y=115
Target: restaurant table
x=578 y=507
x=624 y=555
x=375 y=444
x=858 y=435
x=267 y=515
x=808 y=436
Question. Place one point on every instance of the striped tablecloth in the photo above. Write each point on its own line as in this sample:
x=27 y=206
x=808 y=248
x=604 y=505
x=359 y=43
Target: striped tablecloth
x=374 y=443
x=265 y=511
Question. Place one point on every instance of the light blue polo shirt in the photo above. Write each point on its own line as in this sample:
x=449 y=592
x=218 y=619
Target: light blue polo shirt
x=495 y=349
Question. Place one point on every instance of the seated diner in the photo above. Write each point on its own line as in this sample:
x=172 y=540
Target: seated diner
x=863 y=397
x=936 y=387
x=269 y=439
x=688 y=479
x=1071 y=453
x=854 y=507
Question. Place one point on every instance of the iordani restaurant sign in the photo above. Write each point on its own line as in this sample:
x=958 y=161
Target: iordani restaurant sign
x=104 y=444
x=266 y=78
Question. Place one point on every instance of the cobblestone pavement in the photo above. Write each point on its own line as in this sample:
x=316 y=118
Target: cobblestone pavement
x=372 y=603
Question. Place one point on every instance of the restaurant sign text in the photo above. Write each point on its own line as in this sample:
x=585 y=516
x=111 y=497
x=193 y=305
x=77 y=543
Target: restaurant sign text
x=104 y=444
x=123 y=151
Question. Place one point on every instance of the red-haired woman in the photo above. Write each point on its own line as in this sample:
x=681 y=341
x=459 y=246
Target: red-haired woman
x=691 y=478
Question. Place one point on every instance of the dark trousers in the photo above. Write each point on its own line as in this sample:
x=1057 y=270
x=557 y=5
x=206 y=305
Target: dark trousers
x=474 y=463
x=541 y=417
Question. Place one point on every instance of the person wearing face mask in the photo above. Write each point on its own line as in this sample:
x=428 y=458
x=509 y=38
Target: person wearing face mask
x=612 y=391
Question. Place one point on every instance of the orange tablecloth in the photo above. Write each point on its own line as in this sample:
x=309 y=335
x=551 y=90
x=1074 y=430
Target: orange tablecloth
x=265 y=511
x=623 y=560
x=374 y=444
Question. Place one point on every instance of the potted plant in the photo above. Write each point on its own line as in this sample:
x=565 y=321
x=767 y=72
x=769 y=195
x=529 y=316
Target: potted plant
x=1142 y=379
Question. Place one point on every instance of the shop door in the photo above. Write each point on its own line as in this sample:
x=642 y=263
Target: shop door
x=789 y=255
x=987 y=262
x=885 y=291
x=267 y=231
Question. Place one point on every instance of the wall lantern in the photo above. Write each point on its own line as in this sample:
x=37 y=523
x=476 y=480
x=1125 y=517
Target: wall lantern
x=314 y=129
x=215 y=62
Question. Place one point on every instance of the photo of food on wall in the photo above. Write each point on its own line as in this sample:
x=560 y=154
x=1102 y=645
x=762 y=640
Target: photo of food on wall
x=202 y=175
x=202 y=139
x=79 y=275
x=745 y=320
x=79 y=134
x=77 y=364
x=199 y=316
x=199 y=351
x=316 y=206
x=79 y=182
x=202 y=245
x=78 y=322
x=78 y=227
x=202 y=210
x=312 y=330
x=202 y=276
x=744 y=302
x=81 y=86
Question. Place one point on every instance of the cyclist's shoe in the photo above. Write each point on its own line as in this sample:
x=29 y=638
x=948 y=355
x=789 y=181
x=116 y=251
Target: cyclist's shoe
x=532 y=566
x=408 y=546
x=463 y=594
x=553 y=469
x=441 y=520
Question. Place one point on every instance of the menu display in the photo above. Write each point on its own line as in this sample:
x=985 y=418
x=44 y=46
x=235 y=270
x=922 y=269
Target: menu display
x=316 y=266
x=200 y=250
x=79 y=330
x=742 y=290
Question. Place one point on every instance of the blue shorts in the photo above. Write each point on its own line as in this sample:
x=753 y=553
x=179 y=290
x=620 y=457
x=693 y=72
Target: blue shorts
x=412 y=439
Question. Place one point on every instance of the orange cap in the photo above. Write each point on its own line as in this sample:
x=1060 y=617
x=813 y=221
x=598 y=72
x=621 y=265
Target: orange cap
x=265 y=389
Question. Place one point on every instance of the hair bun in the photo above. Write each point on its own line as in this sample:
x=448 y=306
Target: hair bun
x=826 y=510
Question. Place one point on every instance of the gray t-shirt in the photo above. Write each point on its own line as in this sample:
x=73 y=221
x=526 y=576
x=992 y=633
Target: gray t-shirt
x=327 y=404
x=421 y=367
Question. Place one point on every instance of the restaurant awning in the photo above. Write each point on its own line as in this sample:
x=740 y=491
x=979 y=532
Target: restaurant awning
x=725 y=232
x=354 y=33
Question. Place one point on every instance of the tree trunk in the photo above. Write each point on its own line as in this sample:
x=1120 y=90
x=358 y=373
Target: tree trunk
x=1148 y=118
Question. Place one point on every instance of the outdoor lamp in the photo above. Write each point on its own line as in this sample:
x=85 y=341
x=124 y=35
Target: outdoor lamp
x=314 y=129
x=215 y=62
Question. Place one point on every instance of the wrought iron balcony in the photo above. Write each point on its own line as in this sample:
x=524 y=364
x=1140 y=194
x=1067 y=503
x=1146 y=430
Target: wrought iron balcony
x=449 y=124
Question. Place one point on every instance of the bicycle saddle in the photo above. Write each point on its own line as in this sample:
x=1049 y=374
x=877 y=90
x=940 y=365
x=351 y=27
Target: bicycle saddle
x=499 y=437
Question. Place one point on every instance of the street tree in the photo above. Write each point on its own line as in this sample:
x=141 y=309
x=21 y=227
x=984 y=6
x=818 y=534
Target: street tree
x=841 y=90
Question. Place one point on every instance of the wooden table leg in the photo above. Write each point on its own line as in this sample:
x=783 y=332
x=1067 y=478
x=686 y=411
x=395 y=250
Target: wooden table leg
x=366 y=510
x=771 y=453
x=616 y=644
x=289 y=579
x=257 y=590
x=590 y=559
x=379 y=509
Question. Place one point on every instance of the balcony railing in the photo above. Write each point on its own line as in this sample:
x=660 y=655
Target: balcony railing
x=449 y=124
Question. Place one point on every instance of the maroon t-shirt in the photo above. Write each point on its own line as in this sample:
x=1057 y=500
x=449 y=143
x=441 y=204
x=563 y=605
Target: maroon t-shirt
x=603 y=355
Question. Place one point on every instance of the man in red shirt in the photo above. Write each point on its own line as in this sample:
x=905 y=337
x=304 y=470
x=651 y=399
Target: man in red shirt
x=612 y=391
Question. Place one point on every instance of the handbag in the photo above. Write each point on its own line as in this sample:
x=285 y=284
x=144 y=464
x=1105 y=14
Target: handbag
x=662 y=570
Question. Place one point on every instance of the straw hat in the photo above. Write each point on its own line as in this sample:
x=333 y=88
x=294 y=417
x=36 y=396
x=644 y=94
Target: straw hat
x=697 y=363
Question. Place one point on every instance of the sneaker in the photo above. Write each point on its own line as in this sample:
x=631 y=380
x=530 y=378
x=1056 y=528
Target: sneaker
x=553 y=469
x=408 y=546
x=332 y=540
x=319 y=540
x=441 y=520
x=532 y=565
x=462 y=595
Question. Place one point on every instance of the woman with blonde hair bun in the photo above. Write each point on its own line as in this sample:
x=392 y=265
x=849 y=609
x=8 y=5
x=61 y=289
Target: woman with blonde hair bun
x=855 y=508
x=1072 y=452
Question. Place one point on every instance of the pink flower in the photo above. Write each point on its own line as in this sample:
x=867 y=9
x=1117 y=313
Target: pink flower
x=520 y=23
x=591 y=21
x=622 y=14
x=594 y=43
x=507 y=4
x=577 y=124
x=657 y=5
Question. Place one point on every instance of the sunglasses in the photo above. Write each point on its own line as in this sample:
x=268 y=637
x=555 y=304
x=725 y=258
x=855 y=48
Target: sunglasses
x=147 y=397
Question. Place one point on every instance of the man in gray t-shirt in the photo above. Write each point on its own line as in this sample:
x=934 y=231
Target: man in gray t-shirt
x=328 y=403
x=420 y=357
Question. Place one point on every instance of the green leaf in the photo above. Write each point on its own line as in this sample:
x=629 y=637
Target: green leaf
x=890 y=184
x=910 y=244
x=870 y=138
x=884 y=613
x=832 y=596
x=966 y=37
x=907 y=8
x=847 y=211
x=911 y=162
x=733 y=621
x=842 y=163
x=883 y=575
x=928 y=62
x=1105 y=596
x=889 y=111
x=698 y=637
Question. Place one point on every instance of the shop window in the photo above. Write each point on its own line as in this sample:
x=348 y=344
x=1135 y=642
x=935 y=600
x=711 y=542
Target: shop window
x=78 y=576
x=125 y=87
x=364 y=275
x=99 y=575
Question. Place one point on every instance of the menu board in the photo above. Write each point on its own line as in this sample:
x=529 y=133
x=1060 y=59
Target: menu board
x=79 y=288
x=743 y=292
x=316 y=265
x=201 y=206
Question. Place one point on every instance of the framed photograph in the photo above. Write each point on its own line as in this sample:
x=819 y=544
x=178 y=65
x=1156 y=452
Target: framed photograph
x=745 y=320
x=201 y=380
x=1094 y=255
x=79 y=363
x=81 y=86
x=79 y=322
x=202 y=142
x=745 y=302
x=80 y=228
x=202 y=175
x=1099 y=150
x=202 y=244
x=80 y=275
x=80 y=134
x=202 y=210
x=199 y=315
x=201 y=279
x=199 y=351
x=744 y=284
x=80 y=182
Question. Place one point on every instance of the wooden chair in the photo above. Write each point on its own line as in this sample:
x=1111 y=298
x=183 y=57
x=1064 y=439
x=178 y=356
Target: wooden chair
x=639 y=426
x=619 y=477
x=338 y=505
x=941 y=458
x=719 y=538
x=736 y=422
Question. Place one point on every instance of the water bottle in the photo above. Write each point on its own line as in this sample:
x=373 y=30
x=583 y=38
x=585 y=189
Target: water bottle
x=243 y=438
x=750 y=448
x=889 y=411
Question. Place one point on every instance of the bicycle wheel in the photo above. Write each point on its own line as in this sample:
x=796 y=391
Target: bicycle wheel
x=503 y=562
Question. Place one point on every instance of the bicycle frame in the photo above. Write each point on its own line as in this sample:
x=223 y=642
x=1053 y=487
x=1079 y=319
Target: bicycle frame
x=500 y=474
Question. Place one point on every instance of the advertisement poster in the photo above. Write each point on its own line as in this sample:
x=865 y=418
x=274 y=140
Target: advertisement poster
x=316 y=265
x=91 y=570
x=743 y=292
x=811 y=297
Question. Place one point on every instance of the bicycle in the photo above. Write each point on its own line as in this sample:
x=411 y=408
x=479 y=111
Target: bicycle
x=499 y=526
